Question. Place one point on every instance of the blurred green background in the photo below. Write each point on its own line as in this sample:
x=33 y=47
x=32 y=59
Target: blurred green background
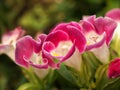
x=40 y=16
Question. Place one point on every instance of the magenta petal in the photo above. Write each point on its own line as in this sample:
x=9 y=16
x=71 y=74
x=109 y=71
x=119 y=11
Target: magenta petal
x=24 y=49
x=74 y=32
x=45 y=65
x=87 y=26
x=57 y=36
x=42 y=37
x=89 y=18
x=38 y=45
x=114 y=14
x=105 y=25
x=63 y=26
x=47 y=47
x=77 y=36
x=114 y=68
x=75 y=24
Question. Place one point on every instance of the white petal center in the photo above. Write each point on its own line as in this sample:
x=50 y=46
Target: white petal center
x=36 y=58
x=62 y=49
x=93 y=37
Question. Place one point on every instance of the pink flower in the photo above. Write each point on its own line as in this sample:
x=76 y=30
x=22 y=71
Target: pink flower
x=52 y=49
x=8 y=41
x=61 y=43
x=28 y=52
x=98 y=33
x=114 y=68
x=97 y=30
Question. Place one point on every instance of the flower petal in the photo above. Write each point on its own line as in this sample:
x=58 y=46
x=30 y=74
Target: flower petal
x=40 y=39
x=114 y=14
x=47 y=47
x=9 y=39
x=90 y=19
x=97 y=44
x=25 y=48
x=77 y=36
x=87 y=26
x=8 y=50
x=105 y=25
x=57 y=36
x=74 y=61
x=12 y=36
x=68 y=55
x=45 y=65
x=102 y=53
x=74 y=32
x=63 y=26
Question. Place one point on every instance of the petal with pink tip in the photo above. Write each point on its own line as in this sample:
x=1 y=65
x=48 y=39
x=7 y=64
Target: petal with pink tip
x=78 y=37
x=12 y=36
x=105 y=25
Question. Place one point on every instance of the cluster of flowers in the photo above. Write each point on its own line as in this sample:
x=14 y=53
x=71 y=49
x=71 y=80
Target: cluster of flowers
x=64 y=42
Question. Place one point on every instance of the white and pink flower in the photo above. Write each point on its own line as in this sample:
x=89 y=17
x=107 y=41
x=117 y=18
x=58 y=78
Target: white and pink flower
x=97 y=30
x=8 y=42
x=28 y=52
x=98 y=33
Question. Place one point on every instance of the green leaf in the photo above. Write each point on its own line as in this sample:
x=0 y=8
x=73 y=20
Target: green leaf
x=113 y=84
x=91 y=59
x=29 y=86
x=30 y=75
x=101 y=77
x=67 y=75
x=113 y=52
x=89 y=65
